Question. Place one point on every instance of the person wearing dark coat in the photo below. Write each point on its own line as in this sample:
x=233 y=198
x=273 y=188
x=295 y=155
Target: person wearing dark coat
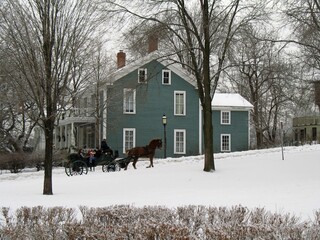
x=105 y=148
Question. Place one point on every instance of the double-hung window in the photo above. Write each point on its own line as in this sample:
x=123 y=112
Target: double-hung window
x=225 y=142
x=179 y=103
x=179 y=141
x=129 y=138
x=129 y=101
x=166 y=77
x=142 y=75
x=225 y=117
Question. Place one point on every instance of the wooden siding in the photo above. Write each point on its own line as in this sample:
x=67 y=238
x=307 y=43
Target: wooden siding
x=238 y=129
x=153 y=99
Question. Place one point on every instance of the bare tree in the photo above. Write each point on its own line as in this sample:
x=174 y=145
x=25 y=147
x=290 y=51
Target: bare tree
x=44 y=38
x=100 y=68
x=265 y=76
x=304 y=19
x=15 y=124
x=201 y=33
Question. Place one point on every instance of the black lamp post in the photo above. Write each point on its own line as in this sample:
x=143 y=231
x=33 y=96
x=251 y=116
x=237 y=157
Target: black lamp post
x=164 y=123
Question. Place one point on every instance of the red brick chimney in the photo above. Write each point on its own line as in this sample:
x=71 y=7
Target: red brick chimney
x=121 y=59
x=153 y=43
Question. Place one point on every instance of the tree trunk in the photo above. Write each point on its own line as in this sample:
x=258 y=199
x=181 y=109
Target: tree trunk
x=259 y=137
x=207 y=108
x=208 y=139
x=256 y=122
x=47 y=186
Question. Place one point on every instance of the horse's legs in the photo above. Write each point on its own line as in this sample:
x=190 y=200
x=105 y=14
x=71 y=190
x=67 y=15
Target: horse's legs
x=127 y=163
x=151 y=162
x=135 y=160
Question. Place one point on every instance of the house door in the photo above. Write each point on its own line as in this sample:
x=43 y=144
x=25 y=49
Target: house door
x=302 y=135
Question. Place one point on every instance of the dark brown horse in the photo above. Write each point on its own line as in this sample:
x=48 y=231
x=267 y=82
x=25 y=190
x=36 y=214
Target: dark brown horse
x=147 y=151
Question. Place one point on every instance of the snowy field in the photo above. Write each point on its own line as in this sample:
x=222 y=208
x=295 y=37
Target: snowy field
x=258 y=178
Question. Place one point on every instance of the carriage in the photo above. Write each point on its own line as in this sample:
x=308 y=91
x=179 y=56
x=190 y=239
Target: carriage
x=78 y=165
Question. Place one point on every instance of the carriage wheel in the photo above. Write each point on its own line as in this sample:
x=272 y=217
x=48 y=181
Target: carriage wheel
x=112 y=167
x=67 y=169
x=78 y=168
x=104 y=167
x=117 y=167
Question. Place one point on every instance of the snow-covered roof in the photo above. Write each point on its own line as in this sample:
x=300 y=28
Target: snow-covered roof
x=230 y=101
x=119 y=73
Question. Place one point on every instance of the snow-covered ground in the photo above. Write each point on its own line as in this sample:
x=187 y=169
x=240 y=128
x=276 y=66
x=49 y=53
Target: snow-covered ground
x=258 y=178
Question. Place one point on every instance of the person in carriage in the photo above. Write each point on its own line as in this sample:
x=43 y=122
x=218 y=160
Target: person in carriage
x=105 y=147
x=92 y=159
x=81 y=153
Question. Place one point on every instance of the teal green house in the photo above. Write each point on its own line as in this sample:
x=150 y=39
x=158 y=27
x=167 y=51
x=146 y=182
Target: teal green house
x=133 y=101
x=141 y=93
x=231 y=122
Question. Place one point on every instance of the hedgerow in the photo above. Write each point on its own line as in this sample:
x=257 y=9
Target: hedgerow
x=128 y=222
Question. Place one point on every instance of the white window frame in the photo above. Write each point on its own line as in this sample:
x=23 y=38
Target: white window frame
x=176 y=150
x=145 y=75
x=127 y=109
x=169 y=77
x=222 y=143
x=223 y=120
x=124 y=144
x=184 y=111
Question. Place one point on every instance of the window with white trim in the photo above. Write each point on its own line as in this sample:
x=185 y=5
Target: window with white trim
x=142 y=75
x=129 y=138
x=166 y=77
x=225 y=142
x=225 y=117
x=129 y=101
x=179 y=103
x=179 y=141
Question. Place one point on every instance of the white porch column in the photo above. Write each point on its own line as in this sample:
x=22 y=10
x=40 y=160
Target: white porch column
x=72 y=138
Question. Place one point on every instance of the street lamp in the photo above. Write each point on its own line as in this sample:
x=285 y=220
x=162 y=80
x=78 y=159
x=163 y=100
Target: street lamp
x=164 y=123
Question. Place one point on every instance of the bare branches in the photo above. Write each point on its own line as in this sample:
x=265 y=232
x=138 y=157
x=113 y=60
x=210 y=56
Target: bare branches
x=44 y=40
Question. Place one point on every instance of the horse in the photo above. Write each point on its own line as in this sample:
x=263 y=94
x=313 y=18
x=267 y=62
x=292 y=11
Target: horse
x=147 y=151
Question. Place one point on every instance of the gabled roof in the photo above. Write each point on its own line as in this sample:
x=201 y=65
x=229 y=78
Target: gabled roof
x=230 y=101
x=174 y=67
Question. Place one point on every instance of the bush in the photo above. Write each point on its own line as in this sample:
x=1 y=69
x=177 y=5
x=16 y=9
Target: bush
x=127 y=222
x=15 y=162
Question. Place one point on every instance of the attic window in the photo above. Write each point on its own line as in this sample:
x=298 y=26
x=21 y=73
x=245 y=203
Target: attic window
x=166 y=77
x=142 y=75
